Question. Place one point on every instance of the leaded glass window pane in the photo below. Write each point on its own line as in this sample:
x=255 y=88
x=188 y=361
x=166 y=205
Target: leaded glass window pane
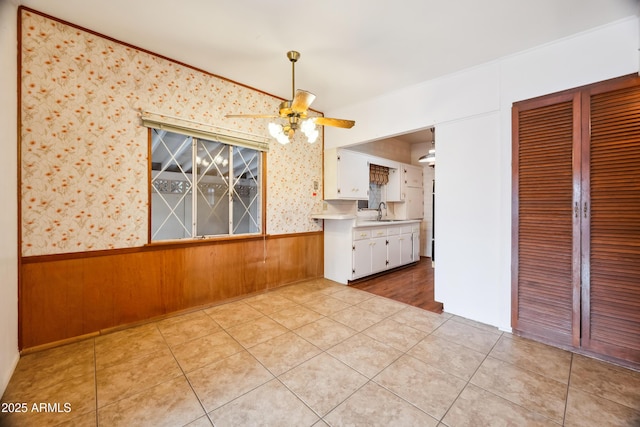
x=226 y=180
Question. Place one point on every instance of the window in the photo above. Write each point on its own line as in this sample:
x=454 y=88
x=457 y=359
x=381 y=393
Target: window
x=202 y=187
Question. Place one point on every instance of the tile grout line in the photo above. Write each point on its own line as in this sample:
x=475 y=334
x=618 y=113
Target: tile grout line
x=187 y=378
x=470 y=378
x=566 y=397
x=502 y=335
x=95 y=379
x=246 y=349
x=184 y=374
x=402 y=354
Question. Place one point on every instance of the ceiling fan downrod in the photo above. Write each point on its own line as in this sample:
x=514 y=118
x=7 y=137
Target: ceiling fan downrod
x=293 y=57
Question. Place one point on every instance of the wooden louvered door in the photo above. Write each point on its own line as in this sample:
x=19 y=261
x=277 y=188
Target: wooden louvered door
x=546 y=281
x=576 y=219
x=611 y=220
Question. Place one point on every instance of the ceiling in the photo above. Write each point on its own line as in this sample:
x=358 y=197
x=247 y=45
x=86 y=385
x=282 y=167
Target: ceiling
x=351 y=50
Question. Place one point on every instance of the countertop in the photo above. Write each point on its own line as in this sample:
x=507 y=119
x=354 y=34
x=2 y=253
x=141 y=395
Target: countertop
x=383 y=223
x=333 y=216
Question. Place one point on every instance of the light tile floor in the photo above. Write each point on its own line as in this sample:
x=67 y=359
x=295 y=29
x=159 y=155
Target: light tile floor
x=317 y=354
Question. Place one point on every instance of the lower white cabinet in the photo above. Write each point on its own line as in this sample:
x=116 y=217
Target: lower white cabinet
x=375 y=249
x=369 y=251
x=404 y=245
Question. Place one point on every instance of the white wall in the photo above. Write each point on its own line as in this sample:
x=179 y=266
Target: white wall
x=468 y=218
x=8 y=185
x=471 y=111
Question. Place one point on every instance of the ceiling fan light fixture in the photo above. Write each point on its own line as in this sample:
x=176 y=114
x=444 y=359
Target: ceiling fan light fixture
x=308 y=127
x=312 y=136
x=277 y=131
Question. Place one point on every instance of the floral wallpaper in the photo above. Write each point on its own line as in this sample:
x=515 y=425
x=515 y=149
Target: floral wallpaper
x=84 y=152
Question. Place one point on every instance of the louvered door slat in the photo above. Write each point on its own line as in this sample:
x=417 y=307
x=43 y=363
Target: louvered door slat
x=611 y=296
x=544 y=276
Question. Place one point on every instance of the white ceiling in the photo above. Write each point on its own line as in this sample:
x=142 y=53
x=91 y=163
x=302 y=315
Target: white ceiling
x=351 y=50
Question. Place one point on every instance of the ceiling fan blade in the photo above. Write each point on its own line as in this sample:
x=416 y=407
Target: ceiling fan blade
x=340 y=123
x=301 y=101
x=252 y=116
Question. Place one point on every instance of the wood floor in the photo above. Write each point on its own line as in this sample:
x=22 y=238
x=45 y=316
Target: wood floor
x=412 y=285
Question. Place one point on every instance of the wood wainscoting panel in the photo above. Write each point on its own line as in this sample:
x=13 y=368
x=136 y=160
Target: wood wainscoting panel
x=63 y=297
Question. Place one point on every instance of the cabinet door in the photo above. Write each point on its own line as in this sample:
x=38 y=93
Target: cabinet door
x=378 y=254
x=415 y=239
x=353 y=175
x=406 y=249
x=412 y=176
x=394 y=186
x=413 y=205
x=394 y=253
x=361 y=258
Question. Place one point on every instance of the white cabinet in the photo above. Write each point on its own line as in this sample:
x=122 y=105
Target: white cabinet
x=402 y=247
x=378 y=249
x=352 y=251
x=411 y=252
x=412 y=175
x=346 y=175
x=395 y=184
x=415 y=239
x=361 y=258
x=394 y=247
x=369 y=251
x=413 y=206
x=375 y=249
x=412 y=193
x=406 y=248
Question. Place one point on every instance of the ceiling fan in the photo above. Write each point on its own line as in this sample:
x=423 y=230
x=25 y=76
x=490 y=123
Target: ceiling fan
x=295 y=112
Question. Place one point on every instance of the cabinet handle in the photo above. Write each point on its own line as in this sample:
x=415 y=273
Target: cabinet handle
x=585 y=209
x=577 y=210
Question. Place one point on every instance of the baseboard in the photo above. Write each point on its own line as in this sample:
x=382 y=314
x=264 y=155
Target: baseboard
x=6 y=376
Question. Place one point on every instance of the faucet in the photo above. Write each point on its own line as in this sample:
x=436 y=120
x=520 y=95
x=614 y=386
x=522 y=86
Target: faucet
x=380 y=210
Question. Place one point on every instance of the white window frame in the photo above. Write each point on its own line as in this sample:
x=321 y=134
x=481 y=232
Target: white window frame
x=232 y=147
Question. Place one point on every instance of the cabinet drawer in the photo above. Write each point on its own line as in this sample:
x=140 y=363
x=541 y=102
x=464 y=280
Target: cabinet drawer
x=408 y=229
x=361 y=234
x=393 y=231
x=378 y=232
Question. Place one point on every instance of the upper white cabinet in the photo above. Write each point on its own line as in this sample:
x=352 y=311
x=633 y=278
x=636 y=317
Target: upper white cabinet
x=412 y=175
x=346 y=175
x=394 y=186
x=413 y=206
x=411 y=193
